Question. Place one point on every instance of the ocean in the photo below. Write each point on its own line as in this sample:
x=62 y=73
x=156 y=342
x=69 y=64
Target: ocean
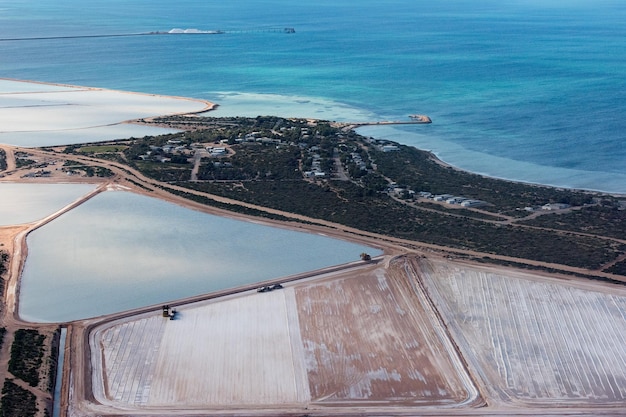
x=526 y=90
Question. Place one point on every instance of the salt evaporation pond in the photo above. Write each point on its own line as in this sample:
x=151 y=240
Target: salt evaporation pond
x=121 y=250
x=24 y=203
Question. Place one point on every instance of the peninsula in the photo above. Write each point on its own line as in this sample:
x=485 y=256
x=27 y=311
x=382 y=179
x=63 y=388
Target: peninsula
x=490 y=298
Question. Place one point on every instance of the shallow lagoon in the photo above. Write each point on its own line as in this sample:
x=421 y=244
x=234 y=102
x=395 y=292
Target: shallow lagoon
x=121 y=250
x=36 y=114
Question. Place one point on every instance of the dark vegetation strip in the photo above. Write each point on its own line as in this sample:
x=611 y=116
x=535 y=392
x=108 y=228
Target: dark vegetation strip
x=519 y=265
x=343 y=202
x=140 y=185
x=3 y=160
x=230 y=207
x=4 y=262
x=53 y=360
x=3 y=332
x=17 y=402
x=26 y=355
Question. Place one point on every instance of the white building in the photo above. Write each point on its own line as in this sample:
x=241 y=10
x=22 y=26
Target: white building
x=389 y=148
x=472 y=203
x=554 y=206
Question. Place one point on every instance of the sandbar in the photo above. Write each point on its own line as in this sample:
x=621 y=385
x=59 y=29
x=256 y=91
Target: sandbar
x=39 y=114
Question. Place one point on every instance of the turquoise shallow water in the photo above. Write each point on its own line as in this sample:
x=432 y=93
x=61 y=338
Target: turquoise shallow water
x=527 y=90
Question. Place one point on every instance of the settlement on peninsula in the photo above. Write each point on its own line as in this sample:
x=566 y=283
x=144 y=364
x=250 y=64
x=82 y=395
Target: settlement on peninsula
x=445 y=322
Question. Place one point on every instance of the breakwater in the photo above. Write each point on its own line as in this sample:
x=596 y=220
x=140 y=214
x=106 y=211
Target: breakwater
x=170 y=32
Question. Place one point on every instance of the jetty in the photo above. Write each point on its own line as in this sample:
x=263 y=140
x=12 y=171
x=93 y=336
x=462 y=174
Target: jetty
x=415 y=119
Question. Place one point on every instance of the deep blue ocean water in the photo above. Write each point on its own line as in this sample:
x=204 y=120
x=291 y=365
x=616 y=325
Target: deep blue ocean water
x=527 y=90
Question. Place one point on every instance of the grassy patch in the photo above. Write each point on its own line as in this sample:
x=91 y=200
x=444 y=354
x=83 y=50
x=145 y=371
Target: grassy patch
x=102 y=148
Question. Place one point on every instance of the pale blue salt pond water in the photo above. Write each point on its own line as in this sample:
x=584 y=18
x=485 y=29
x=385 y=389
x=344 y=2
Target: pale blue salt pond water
x=24 y=203
x=121 y=250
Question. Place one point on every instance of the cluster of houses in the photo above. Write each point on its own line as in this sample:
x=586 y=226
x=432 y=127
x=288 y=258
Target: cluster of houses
x=384 y=145
x=217 y=150
x=256 y=137
x=161 y=153
x=356 y=158
x=316 y=166
x=175 y=147
x=442 y=198
x=389 y=148
x=452 y=199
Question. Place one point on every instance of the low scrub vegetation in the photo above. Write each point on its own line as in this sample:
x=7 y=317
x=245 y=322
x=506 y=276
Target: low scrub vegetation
x=3 y=160
x=322 y=171
x=3 y=331
x=4 y=261
x=26 y=355
x=605 y=219
x=17 y=402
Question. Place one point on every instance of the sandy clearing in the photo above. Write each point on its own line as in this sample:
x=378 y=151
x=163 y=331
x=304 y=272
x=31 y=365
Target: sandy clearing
x=7 y=236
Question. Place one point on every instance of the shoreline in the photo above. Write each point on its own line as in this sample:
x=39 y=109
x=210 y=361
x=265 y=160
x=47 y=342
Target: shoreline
x=211 y=106
x=471 y=155
x=38 y=114
x=435 y=158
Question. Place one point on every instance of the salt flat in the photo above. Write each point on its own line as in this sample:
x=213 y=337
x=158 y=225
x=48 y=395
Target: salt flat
x=348 y=339
x=37 y=114
x=245 y=350
x=371 y=337
x=535 y=342
x=417 y=332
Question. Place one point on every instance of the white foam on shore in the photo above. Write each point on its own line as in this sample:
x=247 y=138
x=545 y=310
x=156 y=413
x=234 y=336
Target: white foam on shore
x=499 y=167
